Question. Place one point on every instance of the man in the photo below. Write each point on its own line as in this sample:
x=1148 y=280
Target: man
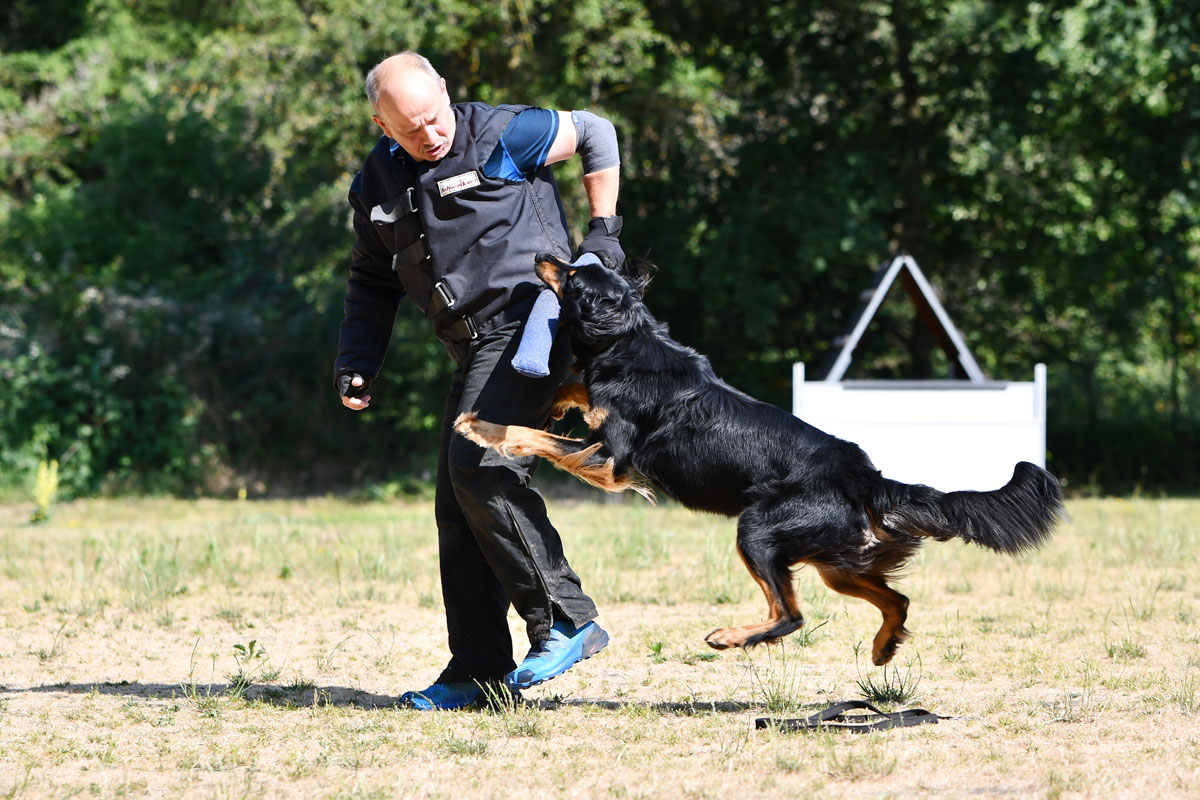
x=449 y=209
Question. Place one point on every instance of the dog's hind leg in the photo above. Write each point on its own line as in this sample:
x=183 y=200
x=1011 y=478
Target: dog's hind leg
x=585 y=461
x=874 y=589
x=773 y=574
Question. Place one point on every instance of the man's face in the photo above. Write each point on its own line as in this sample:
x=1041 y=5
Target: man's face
x=414 y=110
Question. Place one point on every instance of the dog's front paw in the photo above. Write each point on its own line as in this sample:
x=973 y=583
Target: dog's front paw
x=484 y=434
x=465 y=424
x=881 y=655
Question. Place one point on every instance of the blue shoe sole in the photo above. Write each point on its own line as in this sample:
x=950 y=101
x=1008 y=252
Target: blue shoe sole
x=419 y=701
x=519 y=685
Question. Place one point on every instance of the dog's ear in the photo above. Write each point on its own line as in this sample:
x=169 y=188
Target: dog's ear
x=549 y=268
x=550 y=257
x=638 y=272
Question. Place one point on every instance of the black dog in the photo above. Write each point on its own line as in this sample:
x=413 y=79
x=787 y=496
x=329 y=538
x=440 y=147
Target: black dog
x=657 y=413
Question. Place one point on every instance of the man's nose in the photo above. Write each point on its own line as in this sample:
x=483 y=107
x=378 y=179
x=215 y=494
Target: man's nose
x=430 y=134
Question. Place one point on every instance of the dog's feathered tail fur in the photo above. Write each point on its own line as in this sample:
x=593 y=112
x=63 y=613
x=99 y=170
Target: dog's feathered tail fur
x=1015 y=518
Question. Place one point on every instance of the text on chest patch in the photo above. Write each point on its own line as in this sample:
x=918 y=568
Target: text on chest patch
x=458 y=183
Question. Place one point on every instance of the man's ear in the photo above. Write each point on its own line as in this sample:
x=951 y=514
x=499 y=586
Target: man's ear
x=638 y=272
x=382 y=127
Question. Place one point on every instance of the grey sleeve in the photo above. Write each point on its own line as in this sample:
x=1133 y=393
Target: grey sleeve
x=596 y=142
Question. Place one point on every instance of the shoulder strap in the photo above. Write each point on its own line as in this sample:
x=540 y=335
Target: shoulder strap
x=485 y=123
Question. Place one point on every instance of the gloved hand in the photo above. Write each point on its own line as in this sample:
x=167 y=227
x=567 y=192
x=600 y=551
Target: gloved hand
x=353 y=387
x=602 y=240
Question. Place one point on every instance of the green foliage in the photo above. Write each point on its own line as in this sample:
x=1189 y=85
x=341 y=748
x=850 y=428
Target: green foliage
x=39 y=25
x=173 y=225
x=888 y=685
x=45 y=487
x=252 y=666
x=778 y=683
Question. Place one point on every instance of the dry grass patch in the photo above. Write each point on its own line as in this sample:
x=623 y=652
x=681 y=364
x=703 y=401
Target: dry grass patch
x=222 y=649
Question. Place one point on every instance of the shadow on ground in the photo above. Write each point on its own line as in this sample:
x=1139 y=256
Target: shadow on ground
x=308 y=695
x=305 y=695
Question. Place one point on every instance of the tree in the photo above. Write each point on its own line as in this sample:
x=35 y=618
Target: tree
x=174 y=226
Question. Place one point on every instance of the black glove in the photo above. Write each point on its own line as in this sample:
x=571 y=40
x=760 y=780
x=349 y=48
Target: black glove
x=343 y=383
x=602 y=240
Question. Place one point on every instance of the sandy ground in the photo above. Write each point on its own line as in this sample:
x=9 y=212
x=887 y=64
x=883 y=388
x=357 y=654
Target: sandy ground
x=105 y=691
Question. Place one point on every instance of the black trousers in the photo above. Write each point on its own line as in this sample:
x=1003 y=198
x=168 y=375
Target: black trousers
x=496 y=545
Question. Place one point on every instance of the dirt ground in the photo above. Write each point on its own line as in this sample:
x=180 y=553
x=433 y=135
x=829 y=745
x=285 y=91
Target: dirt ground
x=1071 y=673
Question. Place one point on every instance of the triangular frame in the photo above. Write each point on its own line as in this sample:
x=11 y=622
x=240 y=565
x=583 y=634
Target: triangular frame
x=928 y=308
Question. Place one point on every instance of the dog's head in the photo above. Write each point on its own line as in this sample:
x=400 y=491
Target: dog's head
x=598 y=303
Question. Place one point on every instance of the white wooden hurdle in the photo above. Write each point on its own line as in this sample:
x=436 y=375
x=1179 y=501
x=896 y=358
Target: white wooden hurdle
x=949 y=434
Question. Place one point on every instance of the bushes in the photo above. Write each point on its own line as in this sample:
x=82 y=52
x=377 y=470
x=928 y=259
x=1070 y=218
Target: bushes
x=173 y=225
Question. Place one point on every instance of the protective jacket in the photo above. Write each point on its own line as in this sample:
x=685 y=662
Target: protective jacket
x=457 y=242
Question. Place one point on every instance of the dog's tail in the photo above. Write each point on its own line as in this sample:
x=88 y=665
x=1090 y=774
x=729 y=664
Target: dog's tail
x=1017 y=517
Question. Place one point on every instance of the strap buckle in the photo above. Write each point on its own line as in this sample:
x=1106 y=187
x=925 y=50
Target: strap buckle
x=462 y=329
x=449 y=327
x=394 y=208
x=443 y=291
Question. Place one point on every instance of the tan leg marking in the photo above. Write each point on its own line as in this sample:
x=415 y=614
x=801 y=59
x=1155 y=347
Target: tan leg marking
x=777 y=608
x=595 y=417
x=892 y=604
x=570 y=395
x=566 y=454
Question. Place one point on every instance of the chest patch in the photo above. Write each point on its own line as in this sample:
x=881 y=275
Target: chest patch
x=458 y=183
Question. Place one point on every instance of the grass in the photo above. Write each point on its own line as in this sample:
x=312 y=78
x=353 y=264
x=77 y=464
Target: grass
x=889 y=685
x=872 y=760
x=233 y=649
x=777 y=677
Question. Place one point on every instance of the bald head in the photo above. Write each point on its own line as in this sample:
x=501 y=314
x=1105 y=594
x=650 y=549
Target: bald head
x=405 y=60
x=411 y=105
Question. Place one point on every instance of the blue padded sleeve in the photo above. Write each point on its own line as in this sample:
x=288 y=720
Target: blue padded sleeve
x=532 y=358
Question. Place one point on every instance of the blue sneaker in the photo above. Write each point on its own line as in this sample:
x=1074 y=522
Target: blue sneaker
x=448 y=696
x=566 y=647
